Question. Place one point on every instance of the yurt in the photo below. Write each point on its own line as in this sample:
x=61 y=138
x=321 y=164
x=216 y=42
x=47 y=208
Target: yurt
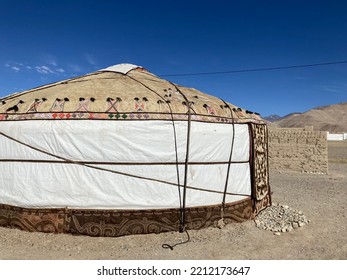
x=122 y=151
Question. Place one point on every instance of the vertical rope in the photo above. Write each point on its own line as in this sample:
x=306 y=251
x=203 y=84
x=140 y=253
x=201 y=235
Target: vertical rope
x=182 y=217
x=186 y=163
x=176 y=148
x=229 y=162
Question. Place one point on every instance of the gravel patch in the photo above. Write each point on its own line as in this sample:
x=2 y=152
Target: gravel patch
x=280 y=218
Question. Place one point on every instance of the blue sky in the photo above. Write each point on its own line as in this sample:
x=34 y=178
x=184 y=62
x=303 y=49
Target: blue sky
x=46 y=41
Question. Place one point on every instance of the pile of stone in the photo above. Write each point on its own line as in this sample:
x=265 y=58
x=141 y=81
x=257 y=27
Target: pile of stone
x=280 y=218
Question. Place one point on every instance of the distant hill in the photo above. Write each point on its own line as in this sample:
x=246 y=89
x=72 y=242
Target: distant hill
x=332 y=118
x=275 y=118
x=272 y=118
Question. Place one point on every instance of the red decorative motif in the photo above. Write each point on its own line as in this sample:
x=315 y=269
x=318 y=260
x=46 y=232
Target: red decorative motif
x=35 y=106
x=209 y=109
x=140 y=105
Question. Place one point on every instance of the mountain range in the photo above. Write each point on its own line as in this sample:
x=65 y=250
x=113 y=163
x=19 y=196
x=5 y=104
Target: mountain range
x=332 y=118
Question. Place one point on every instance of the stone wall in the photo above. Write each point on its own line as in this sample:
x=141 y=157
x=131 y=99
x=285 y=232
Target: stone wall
x=302 y=150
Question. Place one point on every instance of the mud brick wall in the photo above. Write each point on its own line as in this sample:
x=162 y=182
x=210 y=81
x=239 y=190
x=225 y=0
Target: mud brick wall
x=300 y=150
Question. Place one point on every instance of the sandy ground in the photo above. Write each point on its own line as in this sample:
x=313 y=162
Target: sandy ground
x=322 y=198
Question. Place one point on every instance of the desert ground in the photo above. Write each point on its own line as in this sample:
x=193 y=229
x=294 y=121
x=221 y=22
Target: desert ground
x=321 y=198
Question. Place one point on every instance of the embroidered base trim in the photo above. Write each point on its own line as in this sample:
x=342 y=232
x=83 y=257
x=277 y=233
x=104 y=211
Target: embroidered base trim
x=112 y=223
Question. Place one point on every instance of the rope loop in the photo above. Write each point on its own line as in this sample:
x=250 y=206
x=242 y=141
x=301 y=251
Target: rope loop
x=171 y=247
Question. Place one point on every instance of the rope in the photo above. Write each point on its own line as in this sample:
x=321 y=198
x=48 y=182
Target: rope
x=171 y=247
x=65 y=160
x=118 y=163
x=186 y=164
x=182 y=217
x=175 y=136
x=229 y=163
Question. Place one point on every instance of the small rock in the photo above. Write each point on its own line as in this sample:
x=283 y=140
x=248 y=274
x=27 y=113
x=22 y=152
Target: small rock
x=301 y=224
x=295 y=225
x=277 y=233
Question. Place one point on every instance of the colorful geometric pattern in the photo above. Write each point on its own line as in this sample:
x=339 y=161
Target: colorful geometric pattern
x=122 y=116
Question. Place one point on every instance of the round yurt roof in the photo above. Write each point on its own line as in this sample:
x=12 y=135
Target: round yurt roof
x=123 y=91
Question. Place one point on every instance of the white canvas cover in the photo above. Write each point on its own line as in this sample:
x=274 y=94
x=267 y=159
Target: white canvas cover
x=32 y=178
x=123 y=68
